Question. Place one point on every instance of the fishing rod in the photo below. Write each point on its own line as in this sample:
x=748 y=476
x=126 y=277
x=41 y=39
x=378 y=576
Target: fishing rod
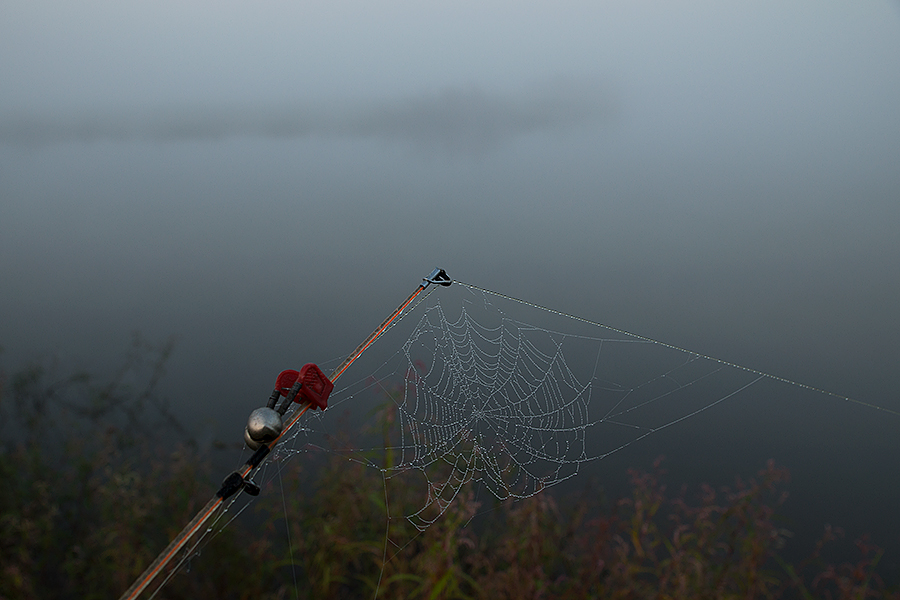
x=308 y=387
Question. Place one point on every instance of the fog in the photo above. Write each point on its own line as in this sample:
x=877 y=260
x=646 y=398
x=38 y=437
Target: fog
x=265 y=182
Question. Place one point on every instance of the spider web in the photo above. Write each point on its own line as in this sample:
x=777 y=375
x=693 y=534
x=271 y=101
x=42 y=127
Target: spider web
x=470 y=394
x=496 y=404
x=476 y=395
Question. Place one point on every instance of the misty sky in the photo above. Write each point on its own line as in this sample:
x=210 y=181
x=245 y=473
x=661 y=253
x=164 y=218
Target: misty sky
x=265 y=181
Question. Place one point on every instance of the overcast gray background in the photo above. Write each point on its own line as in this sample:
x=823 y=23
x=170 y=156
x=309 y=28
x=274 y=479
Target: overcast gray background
x=265 y=181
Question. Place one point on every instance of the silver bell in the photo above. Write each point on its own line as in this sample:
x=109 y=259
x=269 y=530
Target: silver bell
x=263 y=426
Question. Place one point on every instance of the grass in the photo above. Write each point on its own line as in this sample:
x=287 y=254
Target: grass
x=83 y=516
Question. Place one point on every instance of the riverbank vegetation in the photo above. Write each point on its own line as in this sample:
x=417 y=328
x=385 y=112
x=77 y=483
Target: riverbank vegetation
x=90 y=495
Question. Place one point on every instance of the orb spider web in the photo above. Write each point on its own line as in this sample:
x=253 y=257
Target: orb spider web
x=471 y=394
x=479 y=396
